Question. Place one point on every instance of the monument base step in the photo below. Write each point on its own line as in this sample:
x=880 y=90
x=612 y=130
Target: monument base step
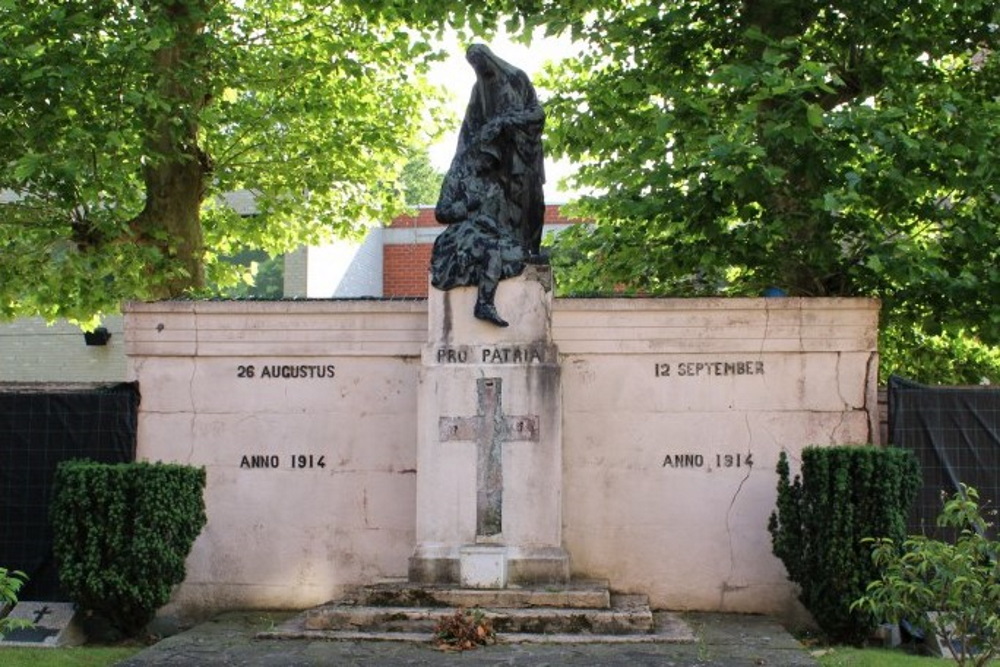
x=667 y=628
x=581 y=611
x=403 y=593
x=626 y=616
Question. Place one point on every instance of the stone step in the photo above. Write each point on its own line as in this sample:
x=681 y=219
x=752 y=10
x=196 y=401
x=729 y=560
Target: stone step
x=574 y=595
x=668 y=627
x=626 y=615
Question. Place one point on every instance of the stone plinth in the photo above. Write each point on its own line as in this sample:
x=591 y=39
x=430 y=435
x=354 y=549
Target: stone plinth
x=489 y=449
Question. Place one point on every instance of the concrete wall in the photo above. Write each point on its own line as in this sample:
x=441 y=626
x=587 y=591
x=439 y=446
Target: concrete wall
x=304 y=415
x=33 y=351
x=674 y=414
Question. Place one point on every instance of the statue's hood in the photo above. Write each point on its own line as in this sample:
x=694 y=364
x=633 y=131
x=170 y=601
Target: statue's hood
x=500 y=87
x=487 y=65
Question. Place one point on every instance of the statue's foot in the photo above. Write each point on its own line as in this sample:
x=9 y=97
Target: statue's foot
x=488 y=312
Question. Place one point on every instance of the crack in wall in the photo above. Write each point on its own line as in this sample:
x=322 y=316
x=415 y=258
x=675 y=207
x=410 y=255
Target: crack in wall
x=840 y=387
x=767 y=328
x=191 y=429
x=727 y=587
x=836 y=428
x=870 y=404
x=192 y=432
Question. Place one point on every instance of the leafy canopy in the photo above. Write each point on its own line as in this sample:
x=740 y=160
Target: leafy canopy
x=123 y=122
x=824 y=147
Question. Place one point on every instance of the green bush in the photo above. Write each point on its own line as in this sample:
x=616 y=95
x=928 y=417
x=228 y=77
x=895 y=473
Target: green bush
x=844 y=495
x=121 y=534
x=959 y=582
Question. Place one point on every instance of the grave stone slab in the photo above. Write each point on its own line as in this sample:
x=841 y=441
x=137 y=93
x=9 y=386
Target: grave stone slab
x=54 y=624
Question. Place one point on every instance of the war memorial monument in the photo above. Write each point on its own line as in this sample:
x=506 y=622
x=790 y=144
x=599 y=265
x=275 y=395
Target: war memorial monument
x=494 y=443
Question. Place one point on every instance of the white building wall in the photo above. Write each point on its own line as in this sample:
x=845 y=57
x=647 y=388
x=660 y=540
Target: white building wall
x=346 y=269
x=33 y=351
x=342 y=269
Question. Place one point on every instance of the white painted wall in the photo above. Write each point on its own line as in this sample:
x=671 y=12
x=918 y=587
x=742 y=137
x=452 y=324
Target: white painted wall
x=666 y=402
x=691 y=536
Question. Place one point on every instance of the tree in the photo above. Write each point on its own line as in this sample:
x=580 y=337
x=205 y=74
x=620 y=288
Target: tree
x=420 y=180
x=261 y=276
x=122 y=122
x=824 y=147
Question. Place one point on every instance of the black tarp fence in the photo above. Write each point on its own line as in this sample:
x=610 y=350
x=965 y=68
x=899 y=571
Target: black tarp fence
x=40 y=426
x=955 y=434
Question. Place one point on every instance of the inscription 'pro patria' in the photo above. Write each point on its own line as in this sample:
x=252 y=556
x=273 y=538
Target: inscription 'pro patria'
x=490 y=355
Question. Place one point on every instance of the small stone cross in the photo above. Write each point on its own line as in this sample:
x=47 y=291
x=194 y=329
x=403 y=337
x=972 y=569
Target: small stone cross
x=489 y=429
x=44 y=611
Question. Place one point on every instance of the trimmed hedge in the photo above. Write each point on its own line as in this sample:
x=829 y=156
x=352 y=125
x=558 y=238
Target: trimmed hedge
x=122 y=533
x=844 y=495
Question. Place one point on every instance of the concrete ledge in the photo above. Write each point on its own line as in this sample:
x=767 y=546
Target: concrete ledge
x=574 y=595
x=629 y=618
x=663 y=628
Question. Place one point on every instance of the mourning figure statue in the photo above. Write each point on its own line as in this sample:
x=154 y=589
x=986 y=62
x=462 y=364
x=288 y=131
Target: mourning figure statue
x=491 y=198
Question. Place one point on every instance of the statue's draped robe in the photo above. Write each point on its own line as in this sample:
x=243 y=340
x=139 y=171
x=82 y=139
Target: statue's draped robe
x=503 y=98
x=492 y=197
x=475 y=249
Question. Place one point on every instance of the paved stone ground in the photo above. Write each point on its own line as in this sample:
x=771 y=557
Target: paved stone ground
x=724 y=640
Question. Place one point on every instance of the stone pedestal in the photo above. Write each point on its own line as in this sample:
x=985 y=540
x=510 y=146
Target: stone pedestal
x=489 y=457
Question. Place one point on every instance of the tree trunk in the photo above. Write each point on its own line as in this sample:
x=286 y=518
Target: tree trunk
x=177 y=172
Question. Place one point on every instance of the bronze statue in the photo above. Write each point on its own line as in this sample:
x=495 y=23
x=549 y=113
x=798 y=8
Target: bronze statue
x=492 y=196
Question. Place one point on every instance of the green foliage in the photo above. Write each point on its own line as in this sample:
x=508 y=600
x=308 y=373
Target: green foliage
x=837 y=147
x=10 y=584
x=844 y=495
x=952 y=358
x=123 y=122
x=121 y=534
x=959 y=583
x=421 y=182
x=259 y=276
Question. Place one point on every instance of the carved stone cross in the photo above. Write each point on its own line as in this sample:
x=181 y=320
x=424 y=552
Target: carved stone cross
x=489 y=429
x=44 y=611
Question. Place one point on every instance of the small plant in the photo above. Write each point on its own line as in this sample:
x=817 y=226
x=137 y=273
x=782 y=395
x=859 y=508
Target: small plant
x=122 y=533
x=952 y=590
x=464 y=630
x=10 y=585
